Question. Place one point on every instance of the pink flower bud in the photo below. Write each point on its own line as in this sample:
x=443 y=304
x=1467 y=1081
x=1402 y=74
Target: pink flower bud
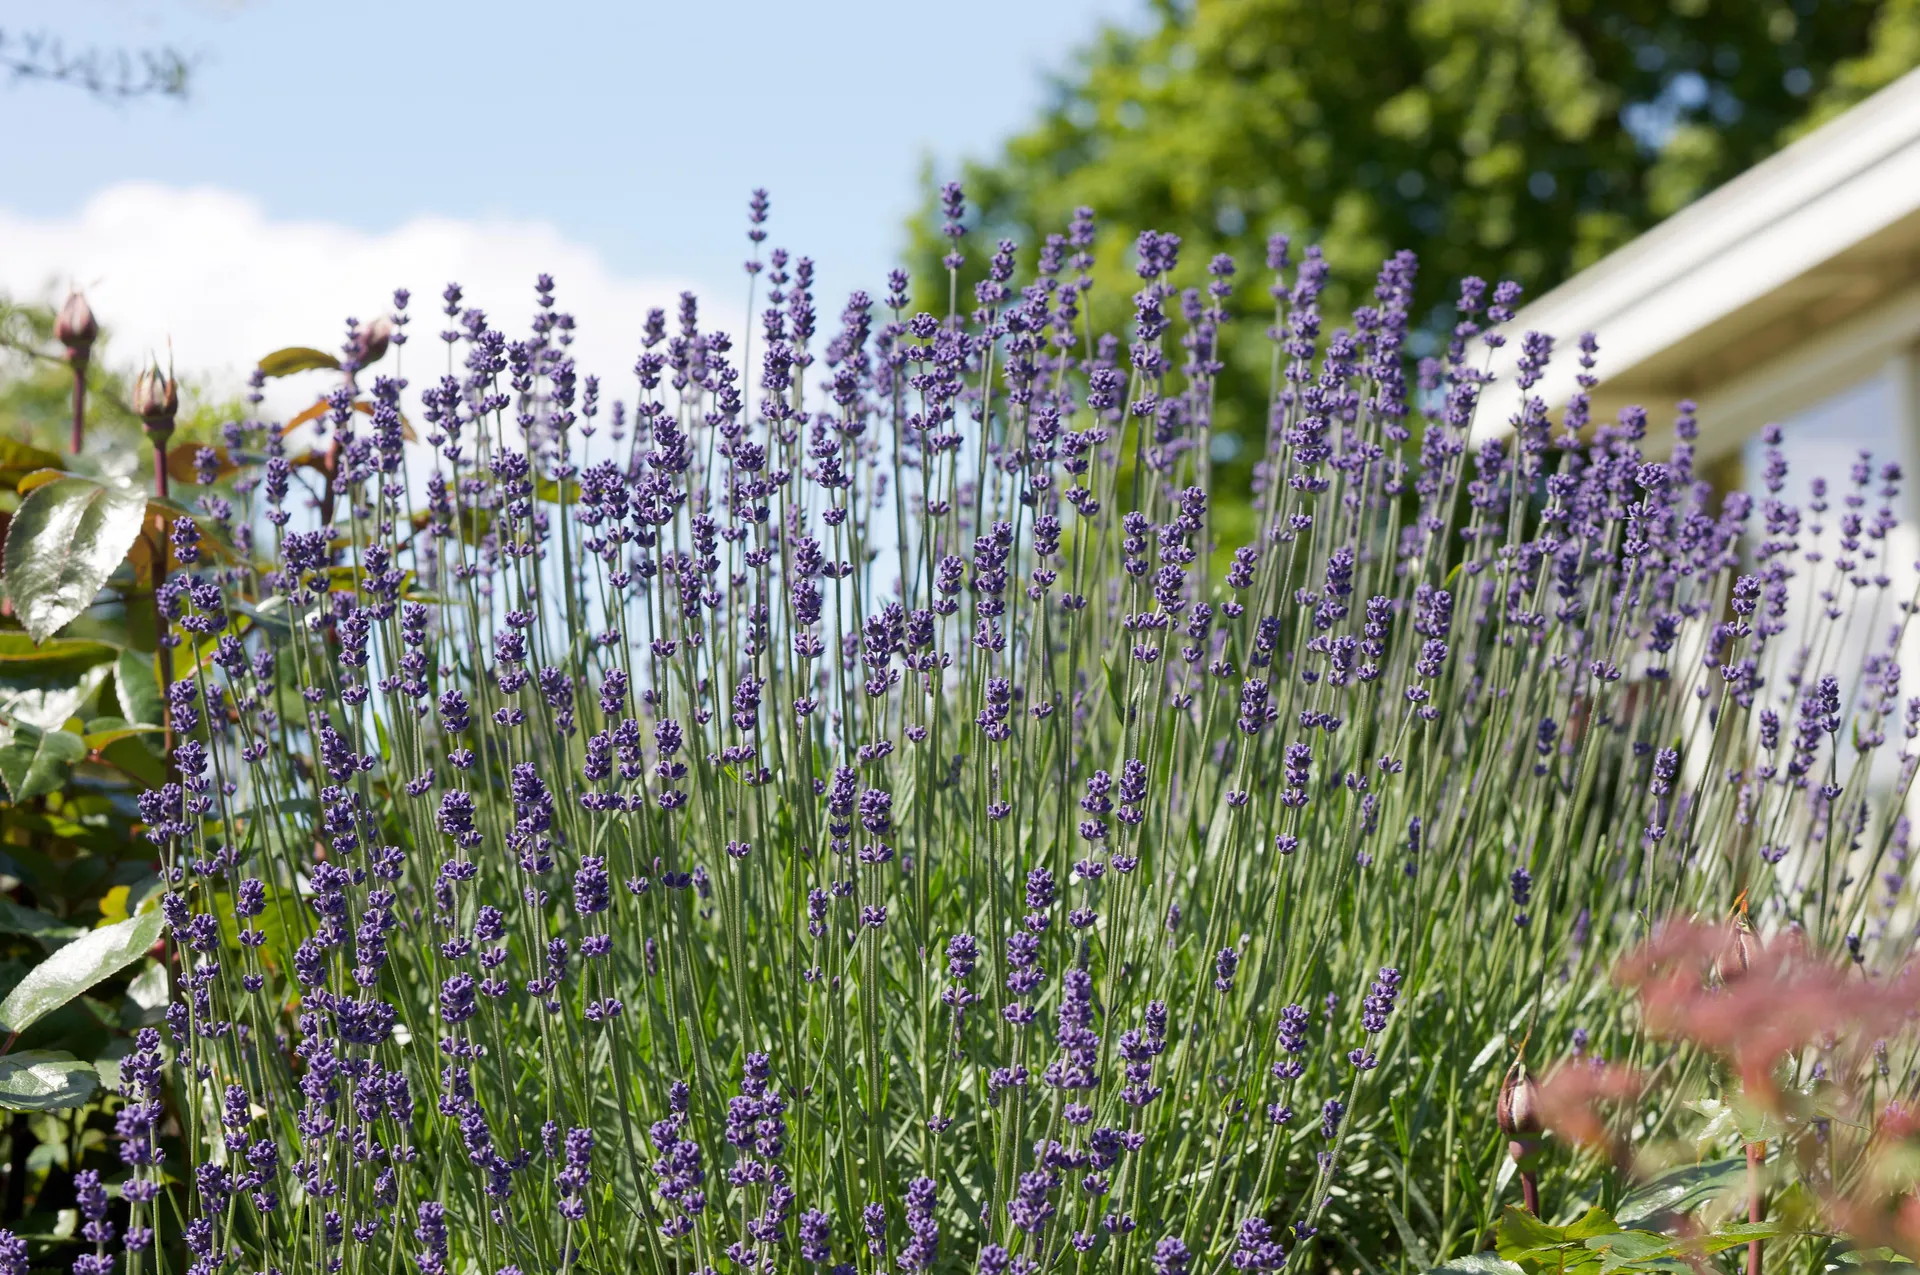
x=156 y=400
x=1519 y=1108
x=76 y=327
x=1737 y=957
x=371 y=341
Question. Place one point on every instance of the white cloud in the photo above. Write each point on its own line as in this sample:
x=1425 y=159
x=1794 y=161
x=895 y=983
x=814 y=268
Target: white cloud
x=208 y=269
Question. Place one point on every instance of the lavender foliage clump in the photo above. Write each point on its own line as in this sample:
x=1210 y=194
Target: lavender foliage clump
x=883 y=791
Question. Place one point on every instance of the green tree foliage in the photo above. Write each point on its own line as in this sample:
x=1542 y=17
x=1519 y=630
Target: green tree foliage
x=1519 y=139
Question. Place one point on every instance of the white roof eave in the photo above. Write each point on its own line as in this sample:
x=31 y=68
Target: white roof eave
x=1779 y=222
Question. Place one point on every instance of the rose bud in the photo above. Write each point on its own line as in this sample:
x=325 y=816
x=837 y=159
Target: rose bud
x=156 y=400
x=77 y=330
x=1736 y=959
x=1519 y=1115
x=370 y=343
x=1519 y=1108
x=76 y=327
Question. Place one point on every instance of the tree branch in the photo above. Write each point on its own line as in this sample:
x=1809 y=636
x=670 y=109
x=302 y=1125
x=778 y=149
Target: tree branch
x=115 y=75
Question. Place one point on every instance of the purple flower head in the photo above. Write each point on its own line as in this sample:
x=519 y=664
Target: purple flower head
x=1224 y=966
x=1666 y=764
x=923 y=1232
x=613 y=693
x=592 y=886
x=1256 y=1249
x=1291 y=1037
x=185 y=538
x=962 y=951
x=457 y=1003
x=1039 y=890
x=816 y=1237
x=1381 y=998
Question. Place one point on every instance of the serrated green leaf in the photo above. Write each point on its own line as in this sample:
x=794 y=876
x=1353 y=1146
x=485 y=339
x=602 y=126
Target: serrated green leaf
x=1523 y=1233
x=1640 y=1250
x=1475 y=1264
x=134 y=758
x=297 y=358
x=137 y=684
x=25 y=662
x=146 y=1000
x=18 y=459
x=1682 y=1190
x=48 y=707
x=35 y=763
x=270 y=615
x=32 y=922
x=1868 y=1258
x=1720 y=1125
x=1735 y=1234
x=43 y=1080
x=1595 y=1221
x=104 y=731
x=1634 y=1244
x=1757 y=1124
x=79 y=965
x=1616 y=1261
x=64 y=541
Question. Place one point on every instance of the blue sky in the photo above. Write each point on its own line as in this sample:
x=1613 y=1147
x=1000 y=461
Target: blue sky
x=631 y=131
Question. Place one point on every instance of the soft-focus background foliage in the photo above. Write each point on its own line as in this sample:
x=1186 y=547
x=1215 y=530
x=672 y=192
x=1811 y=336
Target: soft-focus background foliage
x=1506 y=140
x=1510 y=140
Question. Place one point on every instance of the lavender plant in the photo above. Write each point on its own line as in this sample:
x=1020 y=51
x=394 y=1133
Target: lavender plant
x=847 y=805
